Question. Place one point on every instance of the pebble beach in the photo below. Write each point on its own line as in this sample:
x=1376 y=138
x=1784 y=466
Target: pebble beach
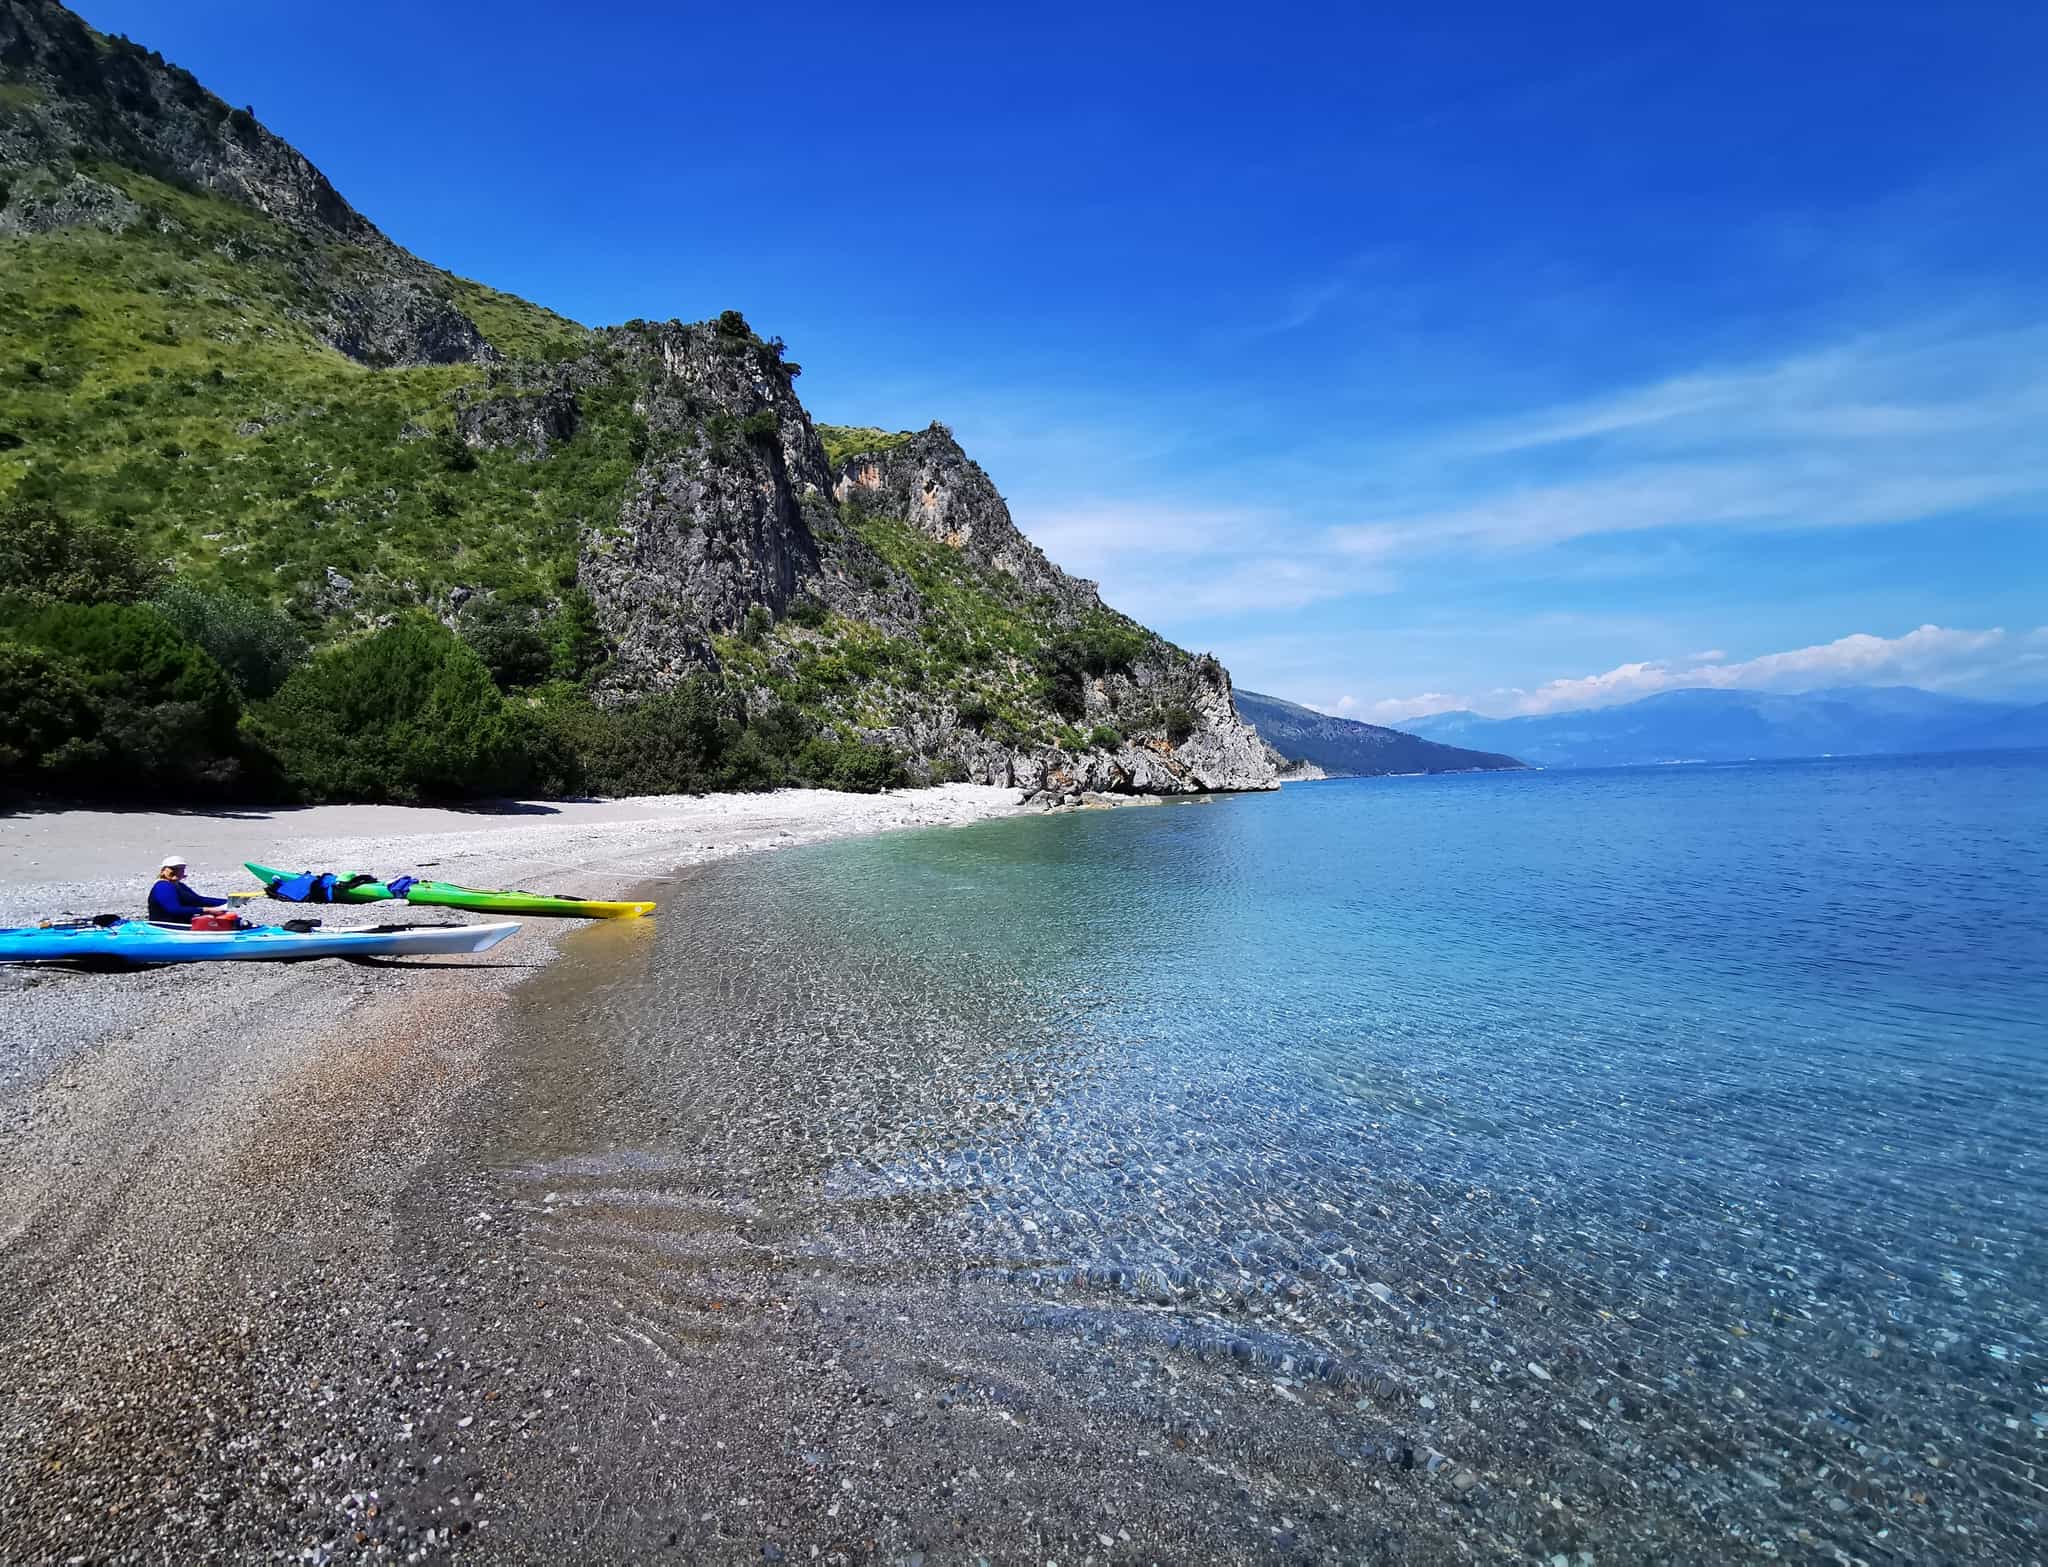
x=203 y=1294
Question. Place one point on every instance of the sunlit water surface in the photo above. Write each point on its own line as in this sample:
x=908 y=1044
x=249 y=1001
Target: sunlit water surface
x=1683 y=1122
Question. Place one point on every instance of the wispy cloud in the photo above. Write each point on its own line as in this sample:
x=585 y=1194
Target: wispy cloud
x=1938 y=657
x=1876 y=430
x=1167 y=562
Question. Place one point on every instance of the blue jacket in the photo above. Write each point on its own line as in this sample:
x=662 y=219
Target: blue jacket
x=176 y=903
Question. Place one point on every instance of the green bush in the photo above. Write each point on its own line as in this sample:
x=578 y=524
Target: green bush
x=161 y=717
x=47 y=556
x=1102 y=644
x=755 y=628
x=808 y=613
x=1104 y=738
x=408 y=713
x=673 y=743
x=44 y=707
x=852 y=765
x=513 y=649
x=1179 y=721
x=574 y=636
x=256 y=643
x=133 y=653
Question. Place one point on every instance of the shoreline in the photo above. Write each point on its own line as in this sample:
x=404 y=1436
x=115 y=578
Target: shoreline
x=202 y=1165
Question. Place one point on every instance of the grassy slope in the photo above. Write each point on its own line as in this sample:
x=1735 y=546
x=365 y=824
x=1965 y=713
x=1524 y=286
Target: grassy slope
x=144 y=364
x=841 y=441
x=163 y=382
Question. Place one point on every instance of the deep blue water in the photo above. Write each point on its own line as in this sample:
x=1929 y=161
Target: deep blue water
x=1694 y=1114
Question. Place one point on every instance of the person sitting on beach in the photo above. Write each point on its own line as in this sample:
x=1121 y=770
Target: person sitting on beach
x=171 y=901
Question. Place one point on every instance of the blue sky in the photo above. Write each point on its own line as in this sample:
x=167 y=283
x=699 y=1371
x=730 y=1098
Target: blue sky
x=1497 y=356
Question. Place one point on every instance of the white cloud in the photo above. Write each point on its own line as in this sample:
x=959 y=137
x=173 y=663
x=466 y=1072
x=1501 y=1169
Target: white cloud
x=1876 y=430
x=1099 y=536
x=1158 y=560
x=1933 y=656
x=1391 y=709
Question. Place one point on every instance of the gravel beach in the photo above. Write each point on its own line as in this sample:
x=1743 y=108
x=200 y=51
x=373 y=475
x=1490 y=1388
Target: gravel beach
x=206 y=1315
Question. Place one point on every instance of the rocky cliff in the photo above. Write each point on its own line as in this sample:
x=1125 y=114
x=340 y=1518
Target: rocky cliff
x=231 y=361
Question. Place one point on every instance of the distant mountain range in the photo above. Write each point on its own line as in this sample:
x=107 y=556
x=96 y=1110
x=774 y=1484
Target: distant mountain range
x=1345 y=748
x=1733 y=726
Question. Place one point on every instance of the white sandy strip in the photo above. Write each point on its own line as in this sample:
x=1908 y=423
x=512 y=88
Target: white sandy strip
x=103 y=861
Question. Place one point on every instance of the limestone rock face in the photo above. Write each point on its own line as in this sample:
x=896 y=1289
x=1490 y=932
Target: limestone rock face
x=396 y=321
x=717 y=520
x=930 y=483
x=533 y=426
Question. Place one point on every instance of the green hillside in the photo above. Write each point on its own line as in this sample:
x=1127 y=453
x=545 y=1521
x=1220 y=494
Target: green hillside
x=449 y=529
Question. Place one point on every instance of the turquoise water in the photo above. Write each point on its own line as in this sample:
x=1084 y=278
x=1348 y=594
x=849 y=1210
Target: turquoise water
x=1663 y=1140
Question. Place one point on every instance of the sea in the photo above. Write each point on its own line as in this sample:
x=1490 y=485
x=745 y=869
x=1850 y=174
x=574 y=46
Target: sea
x=1599 y=1165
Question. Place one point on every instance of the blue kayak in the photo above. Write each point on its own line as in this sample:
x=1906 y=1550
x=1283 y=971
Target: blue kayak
x=138 y=941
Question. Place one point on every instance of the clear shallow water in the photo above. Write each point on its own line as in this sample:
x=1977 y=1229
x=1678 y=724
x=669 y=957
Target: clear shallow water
x=1650 y=1158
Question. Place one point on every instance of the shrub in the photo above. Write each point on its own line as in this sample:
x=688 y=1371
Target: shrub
x=256 y=643
x=755 y=628
x=849 y=764
x=976 y=712
x=808 y=613
x=456 y=455
x=574 y=636
x=505 y=638
x=163 y=716
x=1179 y=721
x=408 y=713
x=133 y=653
x=672 y=743
x=45 y=556
x=1104 y=738
x=44 y=706
x=1100 y=645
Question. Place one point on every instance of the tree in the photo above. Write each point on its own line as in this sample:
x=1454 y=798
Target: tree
x=505 y=638
x=164 y=717
x=256 y=643
x=406 y=714
x=46 y=556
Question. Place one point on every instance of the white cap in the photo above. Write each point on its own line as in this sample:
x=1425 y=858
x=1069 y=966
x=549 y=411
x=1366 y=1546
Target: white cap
x=172 y=859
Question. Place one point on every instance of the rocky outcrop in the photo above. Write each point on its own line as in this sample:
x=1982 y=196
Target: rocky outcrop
x=72 y=95
x=531 y=425
x=397 y=321
x=718 y=519
x=733 y=511
x=930 y=483
x=36 y=206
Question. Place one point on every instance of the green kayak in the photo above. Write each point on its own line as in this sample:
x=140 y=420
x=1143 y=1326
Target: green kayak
x=322 y=887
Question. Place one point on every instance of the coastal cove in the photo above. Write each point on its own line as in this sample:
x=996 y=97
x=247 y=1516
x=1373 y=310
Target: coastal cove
x=1639 y=1164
